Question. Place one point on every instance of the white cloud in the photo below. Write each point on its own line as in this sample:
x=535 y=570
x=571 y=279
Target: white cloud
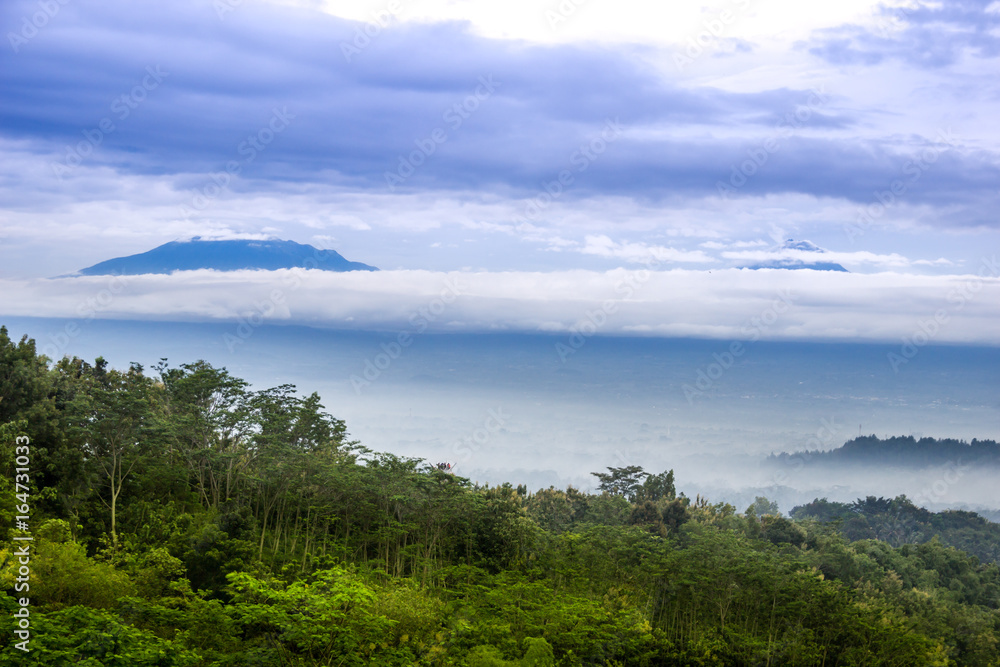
x=858 y=258
x=717 y=245
x=640 y=253
x=623 y=21
x=51 y=227
x=228 y=235
x=719 y=304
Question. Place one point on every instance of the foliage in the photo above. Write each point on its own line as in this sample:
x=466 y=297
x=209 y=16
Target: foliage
x=898 y=521
x=95 y=638
x=186 y=518
x=625 y=481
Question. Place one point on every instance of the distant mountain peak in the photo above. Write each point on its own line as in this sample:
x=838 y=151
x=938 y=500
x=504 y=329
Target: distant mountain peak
x=792 y=244
x=795 y=263
x=191 y=254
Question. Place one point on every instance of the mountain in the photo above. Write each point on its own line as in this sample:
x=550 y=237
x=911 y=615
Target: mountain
x=230 y=255
x=790 y=263
x=792 y=244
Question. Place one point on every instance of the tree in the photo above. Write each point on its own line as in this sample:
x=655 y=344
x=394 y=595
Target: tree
x=115 y=416
x=325 y=617
x=250 y=531
x=85 y=636
x=646 y=515
x=675 y=514
x=762 y=507
x=23 y=383
x=656 y=487
x=209 y=414
x=621 y=481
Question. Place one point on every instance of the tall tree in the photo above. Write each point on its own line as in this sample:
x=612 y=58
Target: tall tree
x=210 y=412
x=621 y=481
x=115 y=416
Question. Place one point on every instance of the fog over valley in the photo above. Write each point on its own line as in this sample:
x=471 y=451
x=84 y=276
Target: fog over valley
x=506 y=407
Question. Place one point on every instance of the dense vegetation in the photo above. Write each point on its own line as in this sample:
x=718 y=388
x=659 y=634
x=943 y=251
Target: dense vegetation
x=899 y=522
x=182 y=518
x=899 y=451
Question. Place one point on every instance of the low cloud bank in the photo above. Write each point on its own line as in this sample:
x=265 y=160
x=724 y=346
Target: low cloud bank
x=726 y=304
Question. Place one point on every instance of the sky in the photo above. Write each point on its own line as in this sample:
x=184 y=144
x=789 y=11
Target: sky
x=541 y=152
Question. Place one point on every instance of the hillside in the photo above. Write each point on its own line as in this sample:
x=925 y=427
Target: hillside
x=898 y=451
x=182 y=518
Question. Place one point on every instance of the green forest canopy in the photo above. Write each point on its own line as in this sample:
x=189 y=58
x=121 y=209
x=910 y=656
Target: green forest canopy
x=181 y=517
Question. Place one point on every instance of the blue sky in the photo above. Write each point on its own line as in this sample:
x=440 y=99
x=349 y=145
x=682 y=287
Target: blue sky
x=507 y=139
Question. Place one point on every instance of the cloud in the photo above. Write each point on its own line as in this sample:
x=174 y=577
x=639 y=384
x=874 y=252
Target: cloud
x=640 y=253
x=227 y=235
x=921 y=34
x=718 y=245
x=269 y=94
x=722 y=304
x=857 y=258
x=262 y=124
x=350 y=121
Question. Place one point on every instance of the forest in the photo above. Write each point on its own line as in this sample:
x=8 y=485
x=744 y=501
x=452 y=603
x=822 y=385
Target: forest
x=900 y=451
x=177 y=516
